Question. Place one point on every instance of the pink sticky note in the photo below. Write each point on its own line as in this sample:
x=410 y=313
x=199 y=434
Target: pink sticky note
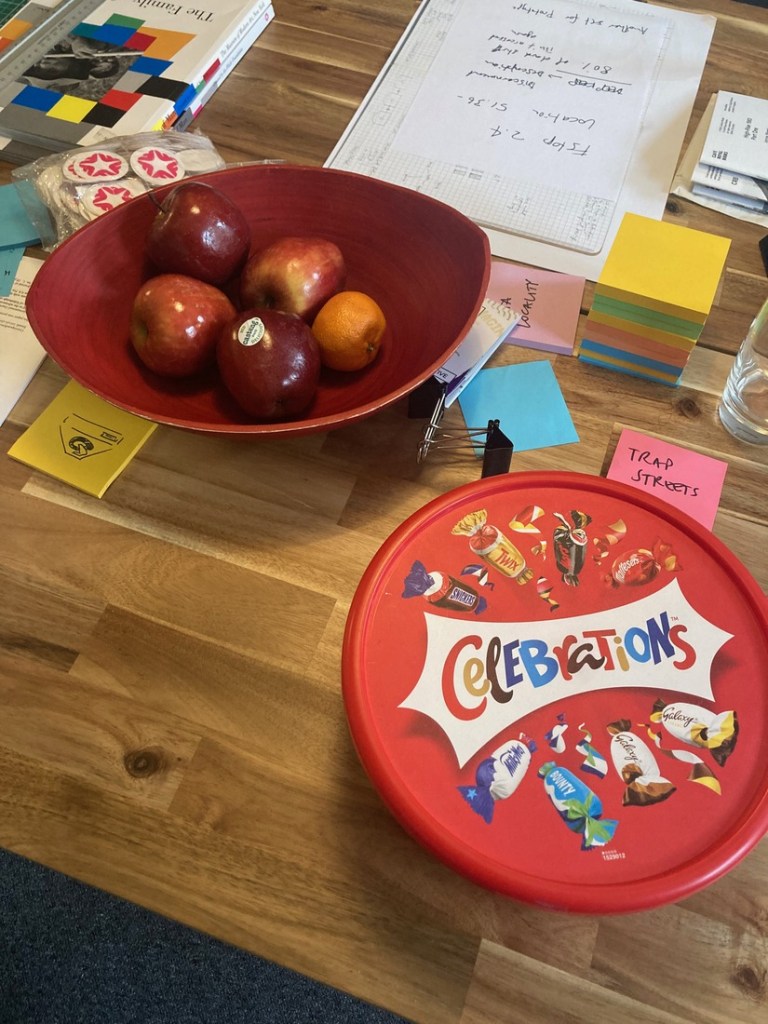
x=686 y=479
x=548 y=303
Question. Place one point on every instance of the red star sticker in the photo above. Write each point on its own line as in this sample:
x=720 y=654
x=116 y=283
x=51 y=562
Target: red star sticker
x=159 y=165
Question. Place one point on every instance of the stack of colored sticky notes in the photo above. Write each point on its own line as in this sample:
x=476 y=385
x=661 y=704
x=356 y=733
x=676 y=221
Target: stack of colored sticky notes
x=653 y=298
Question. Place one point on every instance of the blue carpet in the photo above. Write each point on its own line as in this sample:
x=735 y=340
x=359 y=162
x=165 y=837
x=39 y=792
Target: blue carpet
x=72 y=954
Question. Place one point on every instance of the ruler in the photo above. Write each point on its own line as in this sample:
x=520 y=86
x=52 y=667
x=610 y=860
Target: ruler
x=39 y=39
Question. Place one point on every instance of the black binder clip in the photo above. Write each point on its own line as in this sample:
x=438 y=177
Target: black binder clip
x=497 y=447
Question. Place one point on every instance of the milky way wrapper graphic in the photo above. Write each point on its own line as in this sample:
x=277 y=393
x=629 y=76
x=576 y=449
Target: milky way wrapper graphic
x=498 y=776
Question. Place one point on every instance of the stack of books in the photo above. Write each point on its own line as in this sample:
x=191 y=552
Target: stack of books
x=653 y=298
x=129 y=66
x=733 y=165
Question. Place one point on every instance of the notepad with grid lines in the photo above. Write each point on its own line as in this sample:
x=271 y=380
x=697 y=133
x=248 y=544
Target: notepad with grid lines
x=523 y=116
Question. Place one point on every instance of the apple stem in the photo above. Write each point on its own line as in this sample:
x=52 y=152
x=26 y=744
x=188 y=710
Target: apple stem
x=155 y=200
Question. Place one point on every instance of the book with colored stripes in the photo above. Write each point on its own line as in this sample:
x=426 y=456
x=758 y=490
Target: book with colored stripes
x=131 y=66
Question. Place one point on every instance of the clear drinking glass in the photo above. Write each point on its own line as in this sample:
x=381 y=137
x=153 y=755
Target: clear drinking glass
x=744 y=405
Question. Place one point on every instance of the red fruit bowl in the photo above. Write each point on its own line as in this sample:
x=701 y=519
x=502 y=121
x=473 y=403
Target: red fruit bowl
x=426 y=264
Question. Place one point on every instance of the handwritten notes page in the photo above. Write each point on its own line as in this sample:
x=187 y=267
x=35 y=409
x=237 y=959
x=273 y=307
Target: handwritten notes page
x=522 y=115
x=686 y=479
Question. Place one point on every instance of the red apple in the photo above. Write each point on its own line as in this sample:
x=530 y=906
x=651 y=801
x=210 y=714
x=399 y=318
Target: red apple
x=297 y=274
x=199 y=231
x=270 y=362
x=176 y=322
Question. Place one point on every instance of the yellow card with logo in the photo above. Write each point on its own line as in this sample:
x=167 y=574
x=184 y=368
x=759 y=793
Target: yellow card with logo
x=83 y=440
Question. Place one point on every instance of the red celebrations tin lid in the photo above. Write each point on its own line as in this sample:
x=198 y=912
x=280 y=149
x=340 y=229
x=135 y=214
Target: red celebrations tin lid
x=558 y=685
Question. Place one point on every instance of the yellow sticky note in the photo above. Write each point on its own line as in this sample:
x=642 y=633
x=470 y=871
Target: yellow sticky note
x=82 y=440
x=667 y=267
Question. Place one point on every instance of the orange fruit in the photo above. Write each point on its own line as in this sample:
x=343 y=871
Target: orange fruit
x=349 y=329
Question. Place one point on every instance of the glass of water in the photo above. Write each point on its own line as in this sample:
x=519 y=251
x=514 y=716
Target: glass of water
x=744 y=405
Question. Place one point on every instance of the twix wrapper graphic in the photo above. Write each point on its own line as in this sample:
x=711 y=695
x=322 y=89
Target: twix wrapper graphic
x=490 y=544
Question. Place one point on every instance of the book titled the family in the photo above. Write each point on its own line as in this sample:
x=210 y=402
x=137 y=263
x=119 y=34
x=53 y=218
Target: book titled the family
x=131 y=66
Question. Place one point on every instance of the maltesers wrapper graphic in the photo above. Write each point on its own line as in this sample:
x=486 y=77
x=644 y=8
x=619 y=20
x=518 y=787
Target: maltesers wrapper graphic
x=479 y=678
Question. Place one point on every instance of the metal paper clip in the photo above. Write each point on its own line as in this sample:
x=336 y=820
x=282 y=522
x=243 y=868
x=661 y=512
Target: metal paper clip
x=497 y=447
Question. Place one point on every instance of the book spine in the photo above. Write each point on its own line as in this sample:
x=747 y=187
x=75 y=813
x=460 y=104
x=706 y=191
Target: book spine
x=729 y=181
x=203 y=74
x=223 y=70
x=245 y=27
x=730 y=198
x=233 y=40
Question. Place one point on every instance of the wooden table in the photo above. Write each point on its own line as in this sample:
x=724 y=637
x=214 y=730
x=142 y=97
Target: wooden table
x=172 y=728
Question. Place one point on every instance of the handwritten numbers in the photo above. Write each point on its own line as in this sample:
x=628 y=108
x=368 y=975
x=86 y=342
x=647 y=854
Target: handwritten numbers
x=512 y=134
x=475 y=101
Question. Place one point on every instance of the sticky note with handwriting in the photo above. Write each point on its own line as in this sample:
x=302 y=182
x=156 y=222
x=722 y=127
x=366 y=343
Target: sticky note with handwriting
x=81 y=439
x=549 y=304
x=690 y=481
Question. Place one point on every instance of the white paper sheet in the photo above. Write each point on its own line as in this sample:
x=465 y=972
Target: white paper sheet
x=20 y=351
x=682 y=184
x=646 y=186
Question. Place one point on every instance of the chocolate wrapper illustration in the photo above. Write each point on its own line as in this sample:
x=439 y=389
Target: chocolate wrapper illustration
x=498 y=776
x=639 y=566
x=608 y=537
x=570 y=546
x=594 y=763
x=490 y=544
x=637 y=767
x=442 y=590
x=577 y=805
x=481 y=574
x=555 y=737
x=699 y=727
x=524 y=521
x=544 y=590
x=700 y=772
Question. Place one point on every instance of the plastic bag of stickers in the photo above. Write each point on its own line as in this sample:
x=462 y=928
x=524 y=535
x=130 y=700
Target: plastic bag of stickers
x=64 y=191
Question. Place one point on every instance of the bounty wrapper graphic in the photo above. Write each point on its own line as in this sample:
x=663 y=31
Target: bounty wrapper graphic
x=480 y=678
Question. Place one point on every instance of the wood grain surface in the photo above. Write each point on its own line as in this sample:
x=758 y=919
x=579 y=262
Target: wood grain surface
x=171 y=724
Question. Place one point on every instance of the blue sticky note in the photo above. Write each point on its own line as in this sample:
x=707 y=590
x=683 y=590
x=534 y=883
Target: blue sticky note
x=9 y=266
x=15 y=226
x=526 y=400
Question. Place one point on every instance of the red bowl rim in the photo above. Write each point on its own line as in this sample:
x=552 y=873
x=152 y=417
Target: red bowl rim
x=284 y=428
